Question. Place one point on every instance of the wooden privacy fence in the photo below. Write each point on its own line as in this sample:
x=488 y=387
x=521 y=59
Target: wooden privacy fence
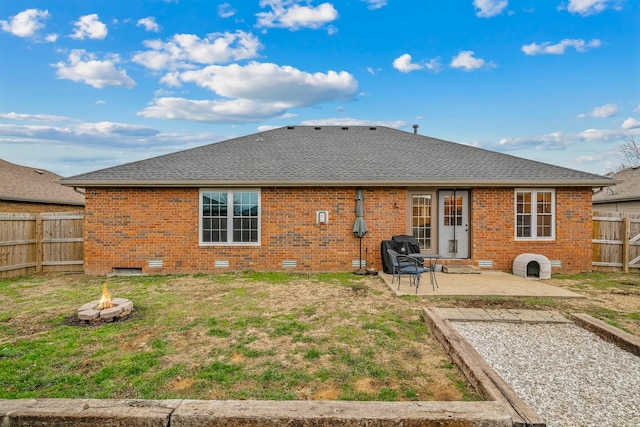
x=616 y=242
x=52 y=242
x=40 y=243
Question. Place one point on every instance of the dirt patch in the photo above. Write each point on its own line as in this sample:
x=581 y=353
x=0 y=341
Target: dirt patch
x=181 y=384
x=366 y=385
x=329 y=392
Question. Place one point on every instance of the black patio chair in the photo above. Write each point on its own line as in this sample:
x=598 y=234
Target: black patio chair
x=407 y=265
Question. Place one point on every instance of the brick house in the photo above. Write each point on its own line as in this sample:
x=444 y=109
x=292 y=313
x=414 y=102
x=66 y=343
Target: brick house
x=624 y=197
x=284 y=199
x=25 y=189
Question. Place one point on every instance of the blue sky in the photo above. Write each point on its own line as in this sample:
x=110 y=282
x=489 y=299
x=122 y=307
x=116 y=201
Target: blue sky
x=91 y=84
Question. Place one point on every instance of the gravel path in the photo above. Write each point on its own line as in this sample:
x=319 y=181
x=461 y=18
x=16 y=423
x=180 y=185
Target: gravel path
x=568 y=375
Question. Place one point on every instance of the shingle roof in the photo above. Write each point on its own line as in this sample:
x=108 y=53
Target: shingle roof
x=25 y=184
x=335 y=155
x=627 y=189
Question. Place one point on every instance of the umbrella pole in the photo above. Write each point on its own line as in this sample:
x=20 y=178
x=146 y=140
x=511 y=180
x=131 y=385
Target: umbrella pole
x=360 y=271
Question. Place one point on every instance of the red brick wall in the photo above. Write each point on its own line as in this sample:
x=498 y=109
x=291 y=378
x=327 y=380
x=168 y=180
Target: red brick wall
x=493 y=230
x=125 y=228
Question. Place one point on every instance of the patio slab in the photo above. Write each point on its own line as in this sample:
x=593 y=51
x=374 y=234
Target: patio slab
x=487 y=283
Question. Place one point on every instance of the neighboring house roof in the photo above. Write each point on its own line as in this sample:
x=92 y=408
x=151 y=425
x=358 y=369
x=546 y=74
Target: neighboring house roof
x=336 y=155
x=627 y=189
x=25 y=184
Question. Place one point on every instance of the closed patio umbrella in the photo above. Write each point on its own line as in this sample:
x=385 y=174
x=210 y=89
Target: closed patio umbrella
x=360 y=226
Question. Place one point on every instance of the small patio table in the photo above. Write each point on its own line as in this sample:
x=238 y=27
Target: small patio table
x=433 y=260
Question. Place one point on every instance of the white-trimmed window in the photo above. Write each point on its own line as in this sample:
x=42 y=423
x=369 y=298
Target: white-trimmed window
x=229 y=217
x=535 y=214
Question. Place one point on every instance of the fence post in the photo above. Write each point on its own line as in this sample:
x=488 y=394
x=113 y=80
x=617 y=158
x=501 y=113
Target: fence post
x=39 y=243
x=626 y=226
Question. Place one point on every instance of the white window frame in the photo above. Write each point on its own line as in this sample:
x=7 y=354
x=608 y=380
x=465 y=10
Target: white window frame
x=230 y=192
x=534 y=213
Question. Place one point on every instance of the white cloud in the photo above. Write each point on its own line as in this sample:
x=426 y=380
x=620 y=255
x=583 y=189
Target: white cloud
x=114 y=129
x=562 y=140
x=265 y=128
x=25 y=23
x=78 y=148
x=273 y=83
x=592 y=7
x=433 y=65
x=559 y=48
x=375 y=4
x=346 y=121
x=631 y=123
x=226 y=11
x=403 y=63
x=489 y=8
x=466 y=61
x=183 y=50
x=602 y=112
x=289 y=14
x=84 y=67
x=252 y=92
x=637 y=109
x=213 y=111
x=83 y=132
x=171 y=79
x=51 y=38
x=33 y=117
x=149 y=23
x=91 y=27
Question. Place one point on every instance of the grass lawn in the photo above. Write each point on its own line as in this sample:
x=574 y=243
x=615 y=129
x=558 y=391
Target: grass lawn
x=252 y=336
x=232 y=336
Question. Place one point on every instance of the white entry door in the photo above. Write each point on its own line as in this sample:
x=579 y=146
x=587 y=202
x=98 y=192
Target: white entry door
x=453 y=224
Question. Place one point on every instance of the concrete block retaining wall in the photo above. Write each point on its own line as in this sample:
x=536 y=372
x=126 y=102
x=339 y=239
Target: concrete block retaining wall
x=246 y=413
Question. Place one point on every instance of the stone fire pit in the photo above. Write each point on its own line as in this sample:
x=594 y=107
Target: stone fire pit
x=92 y=312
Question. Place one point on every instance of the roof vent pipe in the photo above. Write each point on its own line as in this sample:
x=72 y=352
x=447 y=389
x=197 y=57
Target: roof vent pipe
x=415 y=129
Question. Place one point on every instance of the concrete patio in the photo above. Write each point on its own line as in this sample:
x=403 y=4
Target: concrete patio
x=487 y=283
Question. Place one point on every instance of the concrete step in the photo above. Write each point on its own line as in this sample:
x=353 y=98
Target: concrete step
x=460 y=269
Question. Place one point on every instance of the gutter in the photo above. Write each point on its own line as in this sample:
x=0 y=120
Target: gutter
x=30 y=200
x=351 y=183
x=617 y=199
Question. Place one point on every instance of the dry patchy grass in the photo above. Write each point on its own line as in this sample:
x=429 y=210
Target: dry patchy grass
x=236 y=336
x=253 y=336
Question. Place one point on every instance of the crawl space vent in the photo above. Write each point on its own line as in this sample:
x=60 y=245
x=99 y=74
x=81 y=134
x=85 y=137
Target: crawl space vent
x=119 y=271
x=356 y=263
